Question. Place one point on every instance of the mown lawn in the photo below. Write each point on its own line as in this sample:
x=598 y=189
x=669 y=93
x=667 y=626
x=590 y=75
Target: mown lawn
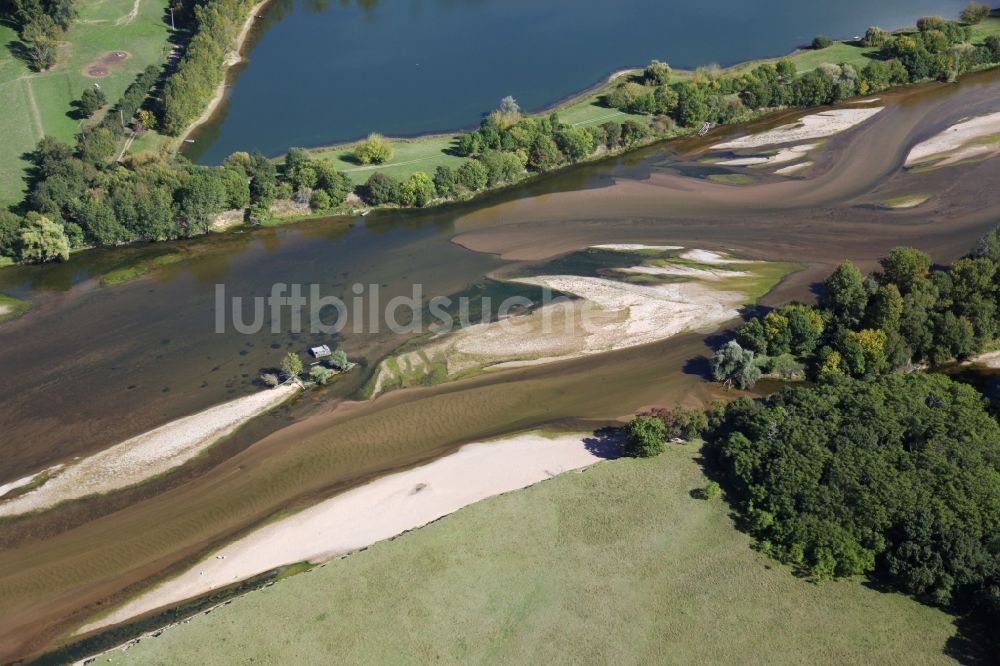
x=618 y=564
x=420 y=154
x=36 y=103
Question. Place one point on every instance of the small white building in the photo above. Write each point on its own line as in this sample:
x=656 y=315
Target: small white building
x=320 y=352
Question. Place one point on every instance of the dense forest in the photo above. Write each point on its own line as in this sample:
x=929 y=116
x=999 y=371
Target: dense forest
x=907 y=314
x=898 y=477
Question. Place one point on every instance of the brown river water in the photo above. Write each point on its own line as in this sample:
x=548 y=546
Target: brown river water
x=93 y=365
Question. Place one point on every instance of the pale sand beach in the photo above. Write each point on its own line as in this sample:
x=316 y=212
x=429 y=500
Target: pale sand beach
x=783 y=156
x=969 y=139
x=379 y=510
x=145 y=456
x=814 y=126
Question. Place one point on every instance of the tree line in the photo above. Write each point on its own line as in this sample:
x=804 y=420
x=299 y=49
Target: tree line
x=908 y=313
x=939 y=49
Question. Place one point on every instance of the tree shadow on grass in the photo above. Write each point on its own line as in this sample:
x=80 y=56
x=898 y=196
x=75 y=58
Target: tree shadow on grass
x=607 y=443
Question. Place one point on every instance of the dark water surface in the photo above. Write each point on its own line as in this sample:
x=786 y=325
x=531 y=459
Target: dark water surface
x=322 y=72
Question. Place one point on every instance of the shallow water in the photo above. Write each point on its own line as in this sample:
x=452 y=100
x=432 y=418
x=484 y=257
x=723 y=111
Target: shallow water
x=323 y=72
x=88 y=367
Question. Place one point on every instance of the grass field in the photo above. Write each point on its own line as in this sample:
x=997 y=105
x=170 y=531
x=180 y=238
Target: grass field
x=36 y=103
x=617 y=564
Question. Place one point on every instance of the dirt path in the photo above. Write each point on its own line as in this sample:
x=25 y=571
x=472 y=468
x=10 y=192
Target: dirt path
x=128 y=18
x=35 y=115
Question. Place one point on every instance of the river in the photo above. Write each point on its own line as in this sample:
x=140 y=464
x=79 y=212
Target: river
x=92 y=365
x=322 y=72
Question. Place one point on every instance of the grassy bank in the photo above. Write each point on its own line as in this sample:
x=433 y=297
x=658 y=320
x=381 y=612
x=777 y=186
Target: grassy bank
x=618 y=563
x=36 y=104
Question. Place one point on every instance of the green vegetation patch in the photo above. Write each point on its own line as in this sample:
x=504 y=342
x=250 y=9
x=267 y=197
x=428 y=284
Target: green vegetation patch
x=12 y=308
x=619 y=564
x=131 y=272
x=905 y=201
x=731 y=178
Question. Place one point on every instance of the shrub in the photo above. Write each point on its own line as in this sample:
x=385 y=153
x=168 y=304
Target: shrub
x=381 y=189
x=875 y=37
x=374 y=150
x=320 y=200
x=711 y=490
x=645 y=436
x=821 y=42
x=975 y=12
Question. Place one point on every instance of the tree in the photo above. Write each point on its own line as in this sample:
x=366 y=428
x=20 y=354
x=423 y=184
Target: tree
x=291 y=366
x=374 y=150
x=42 y=240
x=269 y=379
x=844 y=295
x=544 y=153
x=711 y=490
x=820 y=42
x=975 y=12
x=509 y=106
x=339 y=359
x=733 y=363
x=42 y=35
x=645 y=437
x=993 y=44
x=445 y=181
x=575 y=143
x=10 y=233
x=691 y=107
x=472 y=175
x=320 y=200
x=904 y=267
x=926 y=23
x=321 y=375
x=97 y=145
x=657 y=73
x=418 y=190
x=381 y=189
x=91 y=100
x=876 y=37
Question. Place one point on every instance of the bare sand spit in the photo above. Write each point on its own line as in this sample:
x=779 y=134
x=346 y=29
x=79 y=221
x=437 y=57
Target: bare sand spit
x=709 y=257
x=379 y=510
x=143 y=457
x=783 y=156
x=815 y=126
x=710 y=274
x=794 y=168
x=970 y=139
x=632 y=247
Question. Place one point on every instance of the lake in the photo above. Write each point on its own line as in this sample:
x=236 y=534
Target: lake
x=323 y=72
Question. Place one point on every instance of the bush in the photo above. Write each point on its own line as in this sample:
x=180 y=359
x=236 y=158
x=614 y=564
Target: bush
x=320 y=200
x=975 y=12
x=645 y=436
x=711 y=490
x=381 y=189
x=876 y=37
x=374 y=150
x=820 y=42
x=91 y=100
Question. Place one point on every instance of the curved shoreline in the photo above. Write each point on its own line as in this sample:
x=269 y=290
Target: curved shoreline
x=214 y=104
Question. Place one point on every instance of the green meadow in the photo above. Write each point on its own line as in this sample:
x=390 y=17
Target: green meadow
x=39 y=103
x=616 y=564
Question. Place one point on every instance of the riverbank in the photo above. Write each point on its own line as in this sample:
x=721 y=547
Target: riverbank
x=382 y=509
x=232 y=58
x=620 y=560
x=140 y=458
